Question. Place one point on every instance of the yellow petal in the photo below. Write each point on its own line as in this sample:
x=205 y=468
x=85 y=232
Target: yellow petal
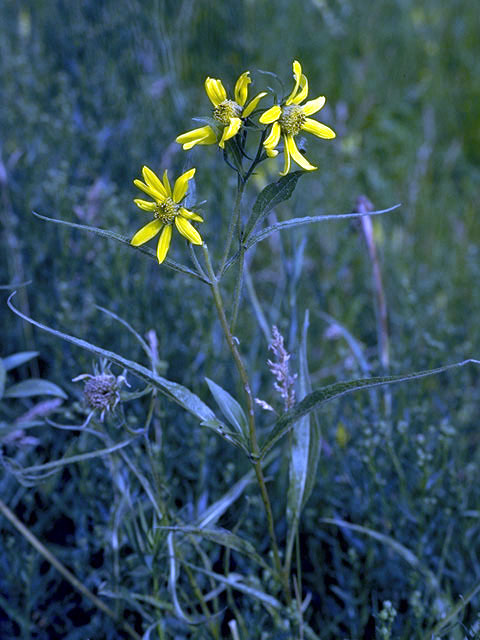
x=145 y=204
x=286 y=156
x=271 y=153
x=318 y=129
x=187 y=230
x=230 y=130
x=202 y=135
x=252 y=105
x=153 y=181
x=274 y=137
x=215 y=91
x=146 y=233
x=154 y=193
x=303 y=93
x=166 y=183
x=312 y=106
x=271 y=115
x=297 y=156
x=164 y=243
x=297 y=74
x=181 y=185
x=241 y=88
x=190 y=215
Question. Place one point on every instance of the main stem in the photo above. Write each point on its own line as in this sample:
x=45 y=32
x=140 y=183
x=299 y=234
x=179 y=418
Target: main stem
x=234 y=222
x=255 y=451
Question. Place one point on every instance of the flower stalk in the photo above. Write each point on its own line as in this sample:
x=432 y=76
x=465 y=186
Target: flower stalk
x=254 y=448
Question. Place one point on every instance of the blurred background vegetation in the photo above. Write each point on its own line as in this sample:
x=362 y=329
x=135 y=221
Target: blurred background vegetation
x=91 y=91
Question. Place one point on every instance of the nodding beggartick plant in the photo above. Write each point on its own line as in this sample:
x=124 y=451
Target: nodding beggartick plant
x=234 y=124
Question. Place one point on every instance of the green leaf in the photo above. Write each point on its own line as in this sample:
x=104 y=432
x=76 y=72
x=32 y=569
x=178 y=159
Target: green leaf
x=319 y=397
x=218 y=508
x=174 y=391
x=298 y=463
x=236 y=581
x=16 y=359
x=3 y=377
x=297 y=222
x=104 y=233
x=272 y=195
x=230 y=408
x=221 y=430
x=315 y=447
x=224 y=538
x=172 y=584
x=400 y=549
x=34 y=387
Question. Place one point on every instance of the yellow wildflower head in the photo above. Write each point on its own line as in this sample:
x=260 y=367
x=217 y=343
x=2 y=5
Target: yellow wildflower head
x=291 y=117
x=166 y=209
x=229 y=114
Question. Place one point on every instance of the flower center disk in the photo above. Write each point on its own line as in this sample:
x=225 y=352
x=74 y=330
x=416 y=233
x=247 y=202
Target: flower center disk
x=292 y=119
x=226 y=110
x=166 y=211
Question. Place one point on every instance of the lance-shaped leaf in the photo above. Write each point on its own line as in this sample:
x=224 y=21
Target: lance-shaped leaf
x=172 y=585
x=398 y=548
x=224 y=538
x=230 y=408
x=272 y=195
x=319 y=397
x=34 y=387
x=174 y=391
x=218 y=508
x=238 y=582
x=297 y=222
x=315 y=447
x=104 y=233
x=16 y=359
x=3 y=377
x=299 y=457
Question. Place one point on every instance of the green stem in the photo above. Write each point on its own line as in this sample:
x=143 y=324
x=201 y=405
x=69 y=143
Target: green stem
x=254 y=449
x=233 y=224
x=242 y=248
x=76 y=584
x=237 y=292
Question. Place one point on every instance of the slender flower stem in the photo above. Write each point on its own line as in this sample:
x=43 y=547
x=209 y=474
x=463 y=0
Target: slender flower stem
x=195 y=261
x=251 y=415
x=237 y=293
x=234 y=222
x=68 y=575
x=242 y=248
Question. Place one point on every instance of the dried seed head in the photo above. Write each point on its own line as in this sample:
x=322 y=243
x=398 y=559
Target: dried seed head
x=101 y=391
x=285 y=384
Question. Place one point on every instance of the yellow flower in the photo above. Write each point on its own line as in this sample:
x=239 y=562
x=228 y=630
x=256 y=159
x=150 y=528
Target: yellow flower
x=166 y=210
x=290 y=118
x=228 y=113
